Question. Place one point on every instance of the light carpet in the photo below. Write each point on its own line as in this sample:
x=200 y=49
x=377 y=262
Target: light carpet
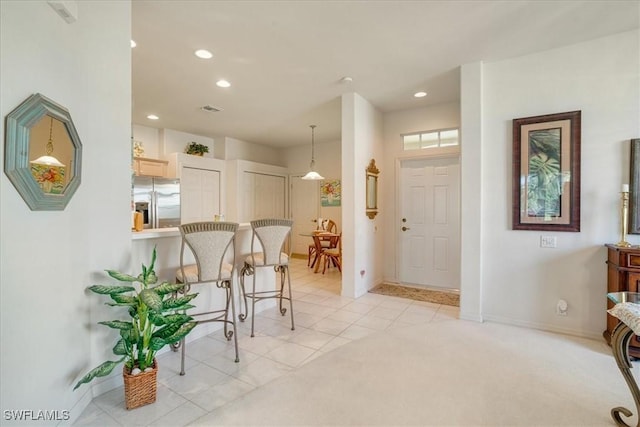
x=418 y=294
x=452 y=373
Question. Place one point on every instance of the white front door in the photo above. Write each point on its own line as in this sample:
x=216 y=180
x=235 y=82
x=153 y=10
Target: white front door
x=304 y=212
x=429 y=222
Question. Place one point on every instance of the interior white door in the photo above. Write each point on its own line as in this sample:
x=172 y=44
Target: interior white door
x=199 y=194
x=429 y=224
x=304 y=212
x=264 y=196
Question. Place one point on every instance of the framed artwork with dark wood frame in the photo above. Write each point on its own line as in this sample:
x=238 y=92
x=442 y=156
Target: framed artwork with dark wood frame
x=634 y=188
x=546 y=172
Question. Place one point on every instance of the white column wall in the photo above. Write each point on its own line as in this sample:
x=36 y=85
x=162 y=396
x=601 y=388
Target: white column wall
x=49 y=337
x=362 y=248
x=471 y=192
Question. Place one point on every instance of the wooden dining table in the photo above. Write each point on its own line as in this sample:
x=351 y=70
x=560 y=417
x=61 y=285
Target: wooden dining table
x=318 y=237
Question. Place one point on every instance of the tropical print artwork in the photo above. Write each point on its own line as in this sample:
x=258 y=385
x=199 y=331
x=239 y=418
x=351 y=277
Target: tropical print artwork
x=330 y=193
x=51 y=179
x=544 y=183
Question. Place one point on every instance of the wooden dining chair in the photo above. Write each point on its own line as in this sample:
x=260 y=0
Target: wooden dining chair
x=326 y=243
x=332 y=255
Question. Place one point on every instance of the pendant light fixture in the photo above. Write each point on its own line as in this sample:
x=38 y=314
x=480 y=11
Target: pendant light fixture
x=48 y=172
x=312 y=174
x=48 y=159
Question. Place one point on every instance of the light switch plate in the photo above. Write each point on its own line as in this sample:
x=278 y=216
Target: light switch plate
x=547 y=241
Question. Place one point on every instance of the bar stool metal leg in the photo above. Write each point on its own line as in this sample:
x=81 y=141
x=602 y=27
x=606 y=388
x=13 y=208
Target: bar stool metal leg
x=246 y=270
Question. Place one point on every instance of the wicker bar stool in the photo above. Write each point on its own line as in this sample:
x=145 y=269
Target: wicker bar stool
x=210 y=242
x=274 y=235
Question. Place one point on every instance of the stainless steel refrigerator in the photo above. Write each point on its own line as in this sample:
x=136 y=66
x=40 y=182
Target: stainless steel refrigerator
x=158 y=199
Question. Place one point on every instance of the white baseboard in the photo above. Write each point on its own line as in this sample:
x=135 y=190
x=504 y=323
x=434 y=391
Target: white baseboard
x=471 y=316
x=545 y=327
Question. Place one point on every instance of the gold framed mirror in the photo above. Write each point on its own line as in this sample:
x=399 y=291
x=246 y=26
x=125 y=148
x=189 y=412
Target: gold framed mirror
x=43 y=153
x=372 y=189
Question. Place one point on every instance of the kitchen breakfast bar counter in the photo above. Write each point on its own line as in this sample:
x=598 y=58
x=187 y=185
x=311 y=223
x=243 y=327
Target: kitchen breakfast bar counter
x=167 y=242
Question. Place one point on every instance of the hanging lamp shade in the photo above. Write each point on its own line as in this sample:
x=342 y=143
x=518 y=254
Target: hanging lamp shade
x=48 y=159
x=312 y=174
x=48 y=172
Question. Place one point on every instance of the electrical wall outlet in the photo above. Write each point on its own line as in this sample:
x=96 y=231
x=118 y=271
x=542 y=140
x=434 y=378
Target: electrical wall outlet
x=547 y=241
x=562 y=307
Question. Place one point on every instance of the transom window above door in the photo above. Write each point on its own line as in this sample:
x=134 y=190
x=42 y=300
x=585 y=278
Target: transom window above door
x=431 y=139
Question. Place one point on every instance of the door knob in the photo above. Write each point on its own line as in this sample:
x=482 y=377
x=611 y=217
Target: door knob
x=405 y=228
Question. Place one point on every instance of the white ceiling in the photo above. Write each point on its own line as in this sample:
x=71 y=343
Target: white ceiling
x=285 y=59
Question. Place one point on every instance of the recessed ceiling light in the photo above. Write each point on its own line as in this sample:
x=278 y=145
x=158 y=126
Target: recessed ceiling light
x=420 y=94
x=133 y=43
x=204 y=54
x=223 y=83
x=152 y=117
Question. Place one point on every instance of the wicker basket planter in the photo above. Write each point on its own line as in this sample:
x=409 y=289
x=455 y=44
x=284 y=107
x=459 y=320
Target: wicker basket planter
x=140 y=390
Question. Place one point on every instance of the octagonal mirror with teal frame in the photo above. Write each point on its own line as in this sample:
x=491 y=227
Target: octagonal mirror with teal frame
x=38 y=133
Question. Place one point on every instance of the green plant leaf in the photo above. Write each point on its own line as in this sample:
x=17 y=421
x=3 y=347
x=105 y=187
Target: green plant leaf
x=168 y=288
x=167 y=330
x=115 y=304
x=174 y=303
x=124 y=299
x=160 y=320
x=151 y=299
x=129 y=335
x=121 y=276
x=157 y=343
x=120 y=349
x=153 y=260
x=100 y=371
x=180 y=333
x=110 y=290
x=180 y=308
x=116 y=324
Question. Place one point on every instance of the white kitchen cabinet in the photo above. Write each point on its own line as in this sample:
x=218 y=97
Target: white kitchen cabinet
x=200 y=194
x=202 y=186
x=264 y=196
x=256 y=191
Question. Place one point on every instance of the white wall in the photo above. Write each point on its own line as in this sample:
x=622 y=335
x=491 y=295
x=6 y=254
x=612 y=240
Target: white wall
x=173 y=141
x=150 y=139
x=521 y=282
x=236 y=149
x=362 y=248
x=159 y=143
x=49 y=335
x=395 y=124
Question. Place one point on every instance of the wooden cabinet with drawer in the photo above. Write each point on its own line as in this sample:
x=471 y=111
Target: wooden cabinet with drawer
x=623 y=274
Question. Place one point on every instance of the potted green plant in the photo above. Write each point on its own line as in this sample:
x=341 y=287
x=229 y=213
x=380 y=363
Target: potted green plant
x=196 y=149
x=156 y=319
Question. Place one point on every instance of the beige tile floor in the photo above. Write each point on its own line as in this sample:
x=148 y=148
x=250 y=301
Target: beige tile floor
x=324 y=321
